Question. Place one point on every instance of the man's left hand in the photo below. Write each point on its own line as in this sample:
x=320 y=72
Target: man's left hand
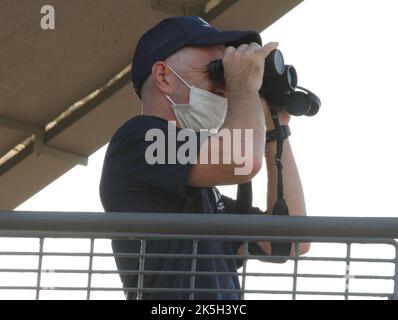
x=284 y=117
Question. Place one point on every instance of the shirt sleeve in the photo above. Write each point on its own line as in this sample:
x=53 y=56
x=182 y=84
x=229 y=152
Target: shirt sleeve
x=144 y=152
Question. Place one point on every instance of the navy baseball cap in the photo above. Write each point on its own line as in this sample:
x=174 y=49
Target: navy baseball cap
x=174 y=33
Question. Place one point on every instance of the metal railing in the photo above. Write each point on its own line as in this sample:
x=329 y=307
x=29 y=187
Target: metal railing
x=364 y=266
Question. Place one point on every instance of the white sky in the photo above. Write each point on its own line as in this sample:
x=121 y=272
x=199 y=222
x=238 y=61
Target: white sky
x=345 y=52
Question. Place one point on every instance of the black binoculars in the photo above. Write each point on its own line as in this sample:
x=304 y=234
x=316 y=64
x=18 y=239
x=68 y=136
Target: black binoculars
x=279 y=86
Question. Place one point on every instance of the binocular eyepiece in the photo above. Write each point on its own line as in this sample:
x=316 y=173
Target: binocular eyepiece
x=278 y=87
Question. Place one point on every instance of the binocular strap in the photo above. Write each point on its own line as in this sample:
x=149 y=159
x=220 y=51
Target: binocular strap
x=280 y=206
x=244 y=196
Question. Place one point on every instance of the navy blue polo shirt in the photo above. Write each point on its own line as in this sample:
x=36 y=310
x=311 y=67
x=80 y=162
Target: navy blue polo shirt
x=130 y=184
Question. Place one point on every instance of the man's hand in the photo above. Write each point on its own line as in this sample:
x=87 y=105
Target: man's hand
x=284 y=117
x=244 y=66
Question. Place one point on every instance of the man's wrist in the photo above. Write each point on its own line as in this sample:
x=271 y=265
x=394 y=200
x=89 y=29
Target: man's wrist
x=241 y=89
x=283 y=116
x=283 y=121
x=275 y=135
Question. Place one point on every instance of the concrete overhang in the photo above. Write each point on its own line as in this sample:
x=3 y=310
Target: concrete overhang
x=64 y=92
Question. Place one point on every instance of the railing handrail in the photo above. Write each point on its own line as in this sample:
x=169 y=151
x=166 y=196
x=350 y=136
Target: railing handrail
x=13 y=223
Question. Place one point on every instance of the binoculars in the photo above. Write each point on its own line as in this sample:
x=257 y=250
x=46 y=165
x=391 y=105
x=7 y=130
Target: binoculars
x=279 y=86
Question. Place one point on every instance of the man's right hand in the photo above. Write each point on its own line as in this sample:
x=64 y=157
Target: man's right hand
x=244 y=66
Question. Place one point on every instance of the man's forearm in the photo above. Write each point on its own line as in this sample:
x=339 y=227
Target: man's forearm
x=245 y=113
x=292 y=187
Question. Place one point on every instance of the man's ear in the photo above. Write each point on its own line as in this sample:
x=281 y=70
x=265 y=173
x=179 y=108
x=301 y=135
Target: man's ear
x=162 y=77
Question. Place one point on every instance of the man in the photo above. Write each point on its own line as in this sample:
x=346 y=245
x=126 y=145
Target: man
x=169 y=75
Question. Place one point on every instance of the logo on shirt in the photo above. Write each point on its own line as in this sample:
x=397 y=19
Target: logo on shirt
x=217 y=197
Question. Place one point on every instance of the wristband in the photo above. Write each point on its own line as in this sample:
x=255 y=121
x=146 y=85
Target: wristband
x=275 y=134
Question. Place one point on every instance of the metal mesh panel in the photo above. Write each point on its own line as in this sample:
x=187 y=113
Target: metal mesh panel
x=84 y=269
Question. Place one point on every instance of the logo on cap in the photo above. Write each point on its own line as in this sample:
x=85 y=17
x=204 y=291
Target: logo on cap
x=205 y=23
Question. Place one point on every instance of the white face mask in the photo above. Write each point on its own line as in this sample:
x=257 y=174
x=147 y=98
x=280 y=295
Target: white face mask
x=205 y=110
